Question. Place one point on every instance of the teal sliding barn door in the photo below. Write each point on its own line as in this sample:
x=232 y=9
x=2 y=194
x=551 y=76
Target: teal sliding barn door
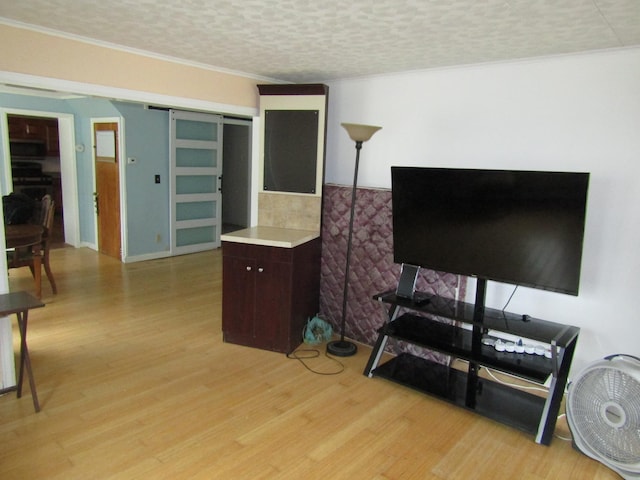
x=196 y=176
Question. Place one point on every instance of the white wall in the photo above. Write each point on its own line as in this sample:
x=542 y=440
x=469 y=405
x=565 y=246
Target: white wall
x=569 y=113
x=7 y=367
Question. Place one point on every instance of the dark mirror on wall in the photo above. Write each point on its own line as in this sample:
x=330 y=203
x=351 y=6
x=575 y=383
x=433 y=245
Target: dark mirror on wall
x=290 y=150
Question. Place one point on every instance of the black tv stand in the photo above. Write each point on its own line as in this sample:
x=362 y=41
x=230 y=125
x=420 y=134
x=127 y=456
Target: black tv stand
x=529 y=412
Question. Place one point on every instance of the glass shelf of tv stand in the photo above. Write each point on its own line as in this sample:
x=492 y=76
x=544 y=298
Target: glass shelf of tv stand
x=457 y=342
x=516 y=325
x=498 y=402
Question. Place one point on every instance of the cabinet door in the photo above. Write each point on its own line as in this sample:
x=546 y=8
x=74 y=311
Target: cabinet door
x=35 y=129
x=273 y=305
x=238 y=298
x=52 y=138
x=17 y=128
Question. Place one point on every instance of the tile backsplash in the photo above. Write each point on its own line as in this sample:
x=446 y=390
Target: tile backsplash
x=300 y=212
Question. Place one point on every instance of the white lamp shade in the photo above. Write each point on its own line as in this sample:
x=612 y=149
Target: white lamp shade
x=360 y=133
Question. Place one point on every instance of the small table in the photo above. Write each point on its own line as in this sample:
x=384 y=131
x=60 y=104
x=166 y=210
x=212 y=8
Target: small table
x=20 y=303
x=27 y=236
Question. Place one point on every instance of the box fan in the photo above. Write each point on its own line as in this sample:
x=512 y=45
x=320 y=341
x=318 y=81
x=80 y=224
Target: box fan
x=603 y=412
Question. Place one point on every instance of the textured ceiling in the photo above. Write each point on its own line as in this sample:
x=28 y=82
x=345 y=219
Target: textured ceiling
x=315 y=41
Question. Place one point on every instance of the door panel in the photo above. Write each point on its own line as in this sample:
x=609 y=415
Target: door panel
x=273 y=304
x=107 y=194
x=196 y=172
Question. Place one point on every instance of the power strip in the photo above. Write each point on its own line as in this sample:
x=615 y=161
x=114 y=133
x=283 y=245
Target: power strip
x=517 y=347
x=506 y=342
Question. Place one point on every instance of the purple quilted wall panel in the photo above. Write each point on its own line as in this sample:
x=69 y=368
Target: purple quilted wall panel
x=372 y=269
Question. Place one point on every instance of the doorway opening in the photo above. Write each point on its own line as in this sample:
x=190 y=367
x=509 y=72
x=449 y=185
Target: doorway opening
x=236 y=183
x=35 y=167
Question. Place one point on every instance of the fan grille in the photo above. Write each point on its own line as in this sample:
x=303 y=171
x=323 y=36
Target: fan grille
x=605 y=407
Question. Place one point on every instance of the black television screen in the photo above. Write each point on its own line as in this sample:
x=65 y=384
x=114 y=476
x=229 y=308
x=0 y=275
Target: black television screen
x=518 y=227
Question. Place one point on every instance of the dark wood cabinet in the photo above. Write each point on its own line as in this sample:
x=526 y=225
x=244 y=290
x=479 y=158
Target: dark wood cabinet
x=17 y=128
x=27 y=128
x=52 y=138
x=36 y=129
x=269 y=293
x=271 y=271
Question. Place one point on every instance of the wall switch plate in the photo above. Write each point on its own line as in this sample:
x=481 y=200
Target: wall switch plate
x=131 y=160
x=157 y=178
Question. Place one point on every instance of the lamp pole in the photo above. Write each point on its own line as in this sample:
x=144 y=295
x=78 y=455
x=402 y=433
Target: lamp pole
x=359 y=134
x=343 y=348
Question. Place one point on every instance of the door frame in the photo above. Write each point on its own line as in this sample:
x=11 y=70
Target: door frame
x=121 y=179
x=69 y=177
x=68 y=170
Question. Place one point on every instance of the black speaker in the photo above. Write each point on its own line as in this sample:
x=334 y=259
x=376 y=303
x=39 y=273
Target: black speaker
x=407 y=283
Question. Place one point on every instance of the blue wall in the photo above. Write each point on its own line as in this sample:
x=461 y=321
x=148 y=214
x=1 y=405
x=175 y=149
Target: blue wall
x=83 y=109
x=146 y=134
x=146 y=140
x=29 y=102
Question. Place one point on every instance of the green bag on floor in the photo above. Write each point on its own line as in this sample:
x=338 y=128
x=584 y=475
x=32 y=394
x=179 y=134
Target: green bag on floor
x=317 y=331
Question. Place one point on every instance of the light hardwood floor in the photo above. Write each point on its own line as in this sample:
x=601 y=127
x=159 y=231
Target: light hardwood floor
x=135 y=383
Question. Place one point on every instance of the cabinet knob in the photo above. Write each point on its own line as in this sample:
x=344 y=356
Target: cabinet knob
x=248 y=269
x=261 y=269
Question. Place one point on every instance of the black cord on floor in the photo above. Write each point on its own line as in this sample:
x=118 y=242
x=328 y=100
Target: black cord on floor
x=309 y=353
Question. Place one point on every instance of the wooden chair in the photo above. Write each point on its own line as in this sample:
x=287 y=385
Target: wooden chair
x=24 y=257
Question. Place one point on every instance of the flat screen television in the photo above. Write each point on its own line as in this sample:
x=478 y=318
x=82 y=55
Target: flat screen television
x=518 y=227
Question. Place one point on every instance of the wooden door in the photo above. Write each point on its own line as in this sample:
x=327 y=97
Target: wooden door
x=107 y=194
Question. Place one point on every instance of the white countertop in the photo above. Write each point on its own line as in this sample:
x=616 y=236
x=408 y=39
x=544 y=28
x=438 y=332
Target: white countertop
x=271 y=236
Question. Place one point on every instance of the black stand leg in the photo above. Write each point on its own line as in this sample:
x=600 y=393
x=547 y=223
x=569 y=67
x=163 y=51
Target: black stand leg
x=554 y=399
x=25 y=360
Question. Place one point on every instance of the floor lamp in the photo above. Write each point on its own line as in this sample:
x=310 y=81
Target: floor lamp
x=359 y=134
